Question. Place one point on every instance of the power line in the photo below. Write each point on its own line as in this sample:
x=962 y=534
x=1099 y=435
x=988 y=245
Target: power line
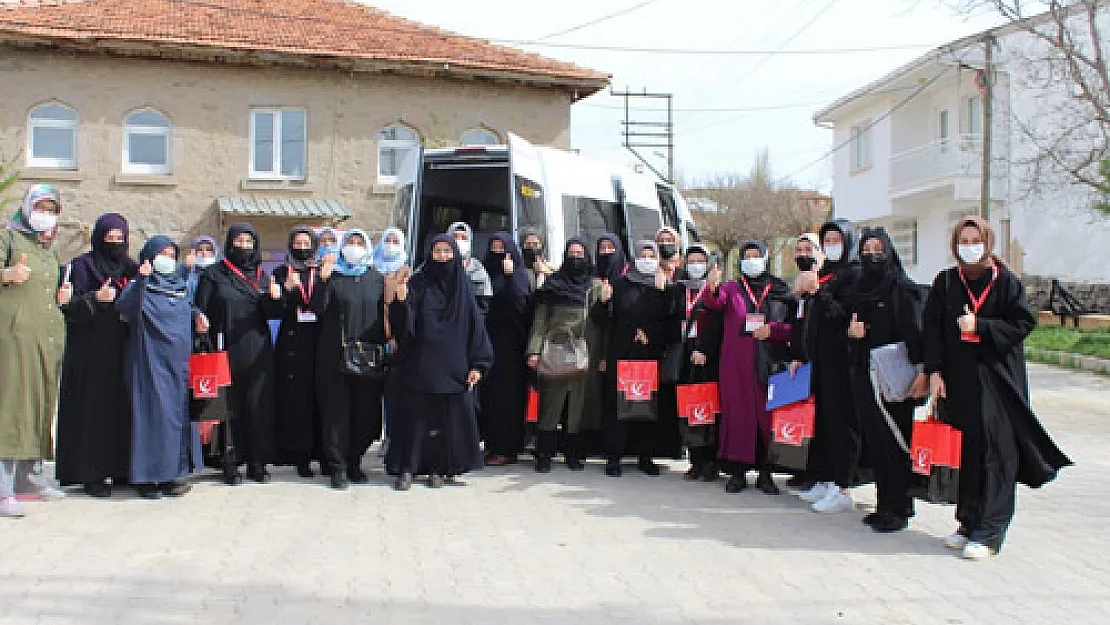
x=714 y=52
x=594 y=22
x=743 y=109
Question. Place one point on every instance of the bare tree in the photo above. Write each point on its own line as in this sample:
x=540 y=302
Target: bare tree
x=752 y=207
x=1070 y=138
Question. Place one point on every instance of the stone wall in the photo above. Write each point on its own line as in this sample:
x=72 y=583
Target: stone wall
x=1094 y=297
x=209 y=106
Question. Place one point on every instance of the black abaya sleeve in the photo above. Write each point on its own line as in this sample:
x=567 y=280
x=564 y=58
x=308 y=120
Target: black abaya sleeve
x=666 y=329
x=935 y=347
x=273 y=308
x=909 y=324
x=1002 y=334
x=480 y=350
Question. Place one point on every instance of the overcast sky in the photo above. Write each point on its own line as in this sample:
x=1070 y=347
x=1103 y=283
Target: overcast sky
x=709 y=142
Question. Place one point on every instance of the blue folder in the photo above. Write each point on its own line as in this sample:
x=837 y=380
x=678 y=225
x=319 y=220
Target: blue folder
x=783 y=390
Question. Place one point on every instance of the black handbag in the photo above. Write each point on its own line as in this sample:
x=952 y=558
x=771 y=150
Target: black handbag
x=362 y=359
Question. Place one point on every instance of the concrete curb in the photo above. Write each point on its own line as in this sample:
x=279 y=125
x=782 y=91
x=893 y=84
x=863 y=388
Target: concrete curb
x=1065 y=359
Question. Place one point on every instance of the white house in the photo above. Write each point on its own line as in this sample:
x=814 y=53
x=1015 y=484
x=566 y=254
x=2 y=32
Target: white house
x=910 y=158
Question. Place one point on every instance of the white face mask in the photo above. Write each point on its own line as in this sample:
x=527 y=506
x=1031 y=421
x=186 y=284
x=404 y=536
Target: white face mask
x=971 y=254
x=353 y=254
x=42 y=222
x=647 y=265
x=205 y=261
x=464 y=247
x=164 y=265
x=833 y=252
x=697 y=270
x=392 y=250
x=753 y=267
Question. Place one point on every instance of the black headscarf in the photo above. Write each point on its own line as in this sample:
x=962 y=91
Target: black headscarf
x=570 y=285
x=877 y=281
x=444 y=293
x=849 y=258
x=684 y=278
x=243 y=259
x=635 y=275
x=779 y=289
x=492 y=262
x=106 y=260
x=290 y=259
x=611 y=266
x=529 y=231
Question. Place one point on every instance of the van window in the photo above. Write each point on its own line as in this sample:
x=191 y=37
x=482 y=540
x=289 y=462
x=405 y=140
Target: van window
x=451 y=191
x=590 y=218
x=530 y=205
x=643 y=223
x=667 y=204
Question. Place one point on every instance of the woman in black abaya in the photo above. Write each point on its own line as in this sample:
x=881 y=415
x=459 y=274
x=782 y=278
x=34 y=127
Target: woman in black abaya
x=504 y=393
x=235 y=298
x=976 y=320
x=443 y=351
x=94 y=414
x=298 y=420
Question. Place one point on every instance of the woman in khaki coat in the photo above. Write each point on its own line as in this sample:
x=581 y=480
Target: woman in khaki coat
x=562 y=310
x=32 y=339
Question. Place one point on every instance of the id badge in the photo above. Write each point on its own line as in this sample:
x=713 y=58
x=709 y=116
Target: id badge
x=305 y=316
x=969 y=337
x=753 y=322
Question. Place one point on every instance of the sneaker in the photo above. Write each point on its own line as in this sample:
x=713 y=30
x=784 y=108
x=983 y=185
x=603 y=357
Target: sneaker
x=836 y=501
x=816 y=493
x=10 y=507
x=977 y=551
x=956 y=540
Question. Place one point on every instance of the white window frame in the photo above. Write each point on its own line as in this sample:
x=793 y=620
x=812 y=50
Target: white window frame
x=51 y=163
x=480 y=129
x=944 y=129
x=275 y=173
x=861 y=152
x=166 y=131
x=973 y=116
x=394 y=144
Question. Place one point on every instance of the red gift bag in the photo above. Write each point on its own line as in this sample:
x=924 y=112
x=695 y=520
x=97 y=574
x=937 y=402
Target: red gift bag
x=935 y=443
x=637 y=379
x=208 y=373
x=206 y=428
x=792 y=424
x=699 y=404
x=532 y=413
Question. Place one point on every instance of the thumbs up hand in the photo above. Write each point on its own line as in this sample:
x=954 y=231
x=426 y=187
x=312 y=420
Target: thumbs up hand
x=327 y=266
x=715 y=276
x=106 y=293
x=65 y=293
x=606 y=290
x=967 y=322
x=19 y=273
x=146 y=269
x=660 y=279
x=507 y=265
x=275 y=288
x=190 y=259
x=856 y=328
x=292 y=280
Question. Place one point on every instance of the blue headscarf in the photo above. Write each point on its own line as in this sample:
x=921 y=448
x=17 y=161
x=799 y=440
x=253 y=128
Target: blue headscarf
x=386 y=264
x=171 y=283
x=341 y=264
x=323 y=250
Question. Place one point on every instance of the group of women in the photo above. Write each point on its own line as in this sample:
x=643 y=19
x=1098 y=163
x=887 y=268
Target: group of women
x=465 y=343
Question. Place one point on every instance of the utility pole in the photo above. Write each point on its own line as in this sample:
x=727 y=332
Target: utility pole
x=987 y=92
x=651 y=133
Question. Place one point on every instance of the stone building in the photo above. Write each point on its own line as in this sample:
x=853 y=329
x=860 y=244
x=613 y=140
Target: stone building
x=188 y=115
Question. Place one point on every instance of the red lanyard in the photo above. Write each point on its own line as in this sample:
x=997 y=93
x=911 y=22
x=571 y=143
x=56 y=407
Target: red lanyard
x=758 y=303
x=306 y=297
x=257 y=284
x=825 y=278
x=690 y=301
x=977 y=302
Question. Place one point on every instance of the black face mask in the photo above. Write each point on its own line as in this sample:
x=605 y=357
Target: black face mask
x=668 y=250
x=874 y=264
x=115 y=251
x=805 y=263
x=240 y=256
x=531 y=255
x=603 y=263
x=500 y=256
x=575 y=266
x=300 y=255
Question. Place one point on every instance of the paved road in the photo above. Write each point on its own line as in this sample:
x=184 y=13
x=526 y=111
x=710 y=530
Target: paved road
x=511 y=547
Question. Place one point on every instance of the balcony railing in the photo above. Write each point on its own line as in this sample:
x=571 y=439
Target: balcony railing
x=938 y=163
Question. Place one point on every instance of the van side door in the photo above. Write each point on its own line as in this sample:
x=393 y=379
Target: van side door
x=526 y=187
